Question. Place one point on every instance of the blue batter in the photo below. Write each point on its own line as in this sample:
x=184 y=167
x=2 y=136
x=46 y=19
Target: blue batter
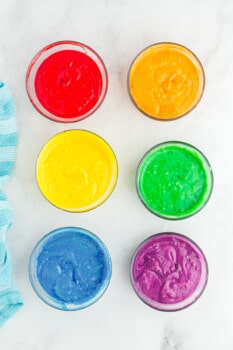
x=72 y=266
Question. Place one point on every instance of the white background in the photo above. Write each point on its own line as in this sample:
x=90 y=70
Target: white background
x=118 y=30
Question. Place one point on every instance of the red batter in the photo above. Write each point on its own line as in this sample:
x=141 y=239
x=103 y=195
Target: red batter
x=68 y=84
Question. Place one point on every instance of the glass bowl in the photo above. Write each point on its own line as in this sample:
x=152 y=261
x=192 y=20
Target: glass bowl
x=174 y=180
x=66 y=81
x=166 y=81
x=169 y=271
x=76 y=170
x=70 y=268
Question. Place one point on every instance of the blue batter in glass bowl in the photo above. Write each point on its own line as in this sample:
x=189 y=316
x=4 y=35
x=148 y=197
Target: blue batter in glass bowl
x=70 y=268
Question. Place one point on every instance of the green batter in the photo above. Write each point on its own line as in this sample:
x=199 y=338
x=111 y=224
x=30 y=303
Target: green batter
x=174 y=180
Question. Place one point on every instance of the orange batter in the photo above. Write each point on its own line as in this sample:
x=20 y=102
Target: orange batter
x=166 y=81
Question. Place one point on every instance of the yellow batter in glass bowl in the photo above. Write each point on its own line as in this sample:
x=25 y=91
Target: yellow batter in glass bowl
x=76 y=170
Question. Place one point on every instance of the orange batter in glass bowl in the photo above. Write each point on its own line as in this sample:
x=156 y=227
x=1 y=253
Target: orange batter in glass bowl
x=166 y=81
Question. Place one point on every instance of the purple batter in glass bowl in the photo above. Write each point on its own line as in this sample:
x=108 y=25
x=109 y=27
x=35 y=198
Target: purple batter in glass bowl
x=169 y=271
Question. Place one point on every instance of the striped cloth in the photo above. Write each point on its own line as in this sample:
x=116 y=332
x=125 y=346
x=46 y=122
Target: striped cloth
x=10 y=300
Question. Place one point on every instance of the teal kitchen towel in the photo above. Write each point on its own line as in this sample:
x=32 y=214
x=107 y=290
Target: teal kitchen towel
x=10 y=299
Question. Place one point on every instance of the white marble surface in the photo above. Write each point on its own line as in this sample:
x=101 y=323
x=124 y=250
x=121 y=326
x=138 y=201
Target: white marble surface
x=118 y=30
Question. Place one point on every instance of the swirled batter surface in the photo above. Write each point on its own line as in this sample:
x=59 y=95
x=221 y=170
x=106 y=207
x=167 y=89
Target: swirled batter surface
x=167 y=269
x=166 y=81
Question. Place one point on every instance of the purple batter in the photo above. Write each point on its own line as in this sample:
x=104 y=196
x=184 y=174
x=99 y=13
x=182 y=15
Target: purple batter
x=169 y=271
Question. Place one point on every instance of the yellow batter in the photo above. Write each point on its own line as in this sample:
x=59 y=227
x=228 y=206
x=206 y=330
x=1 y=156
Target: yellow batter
x=76 y=170
x=166 y=81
